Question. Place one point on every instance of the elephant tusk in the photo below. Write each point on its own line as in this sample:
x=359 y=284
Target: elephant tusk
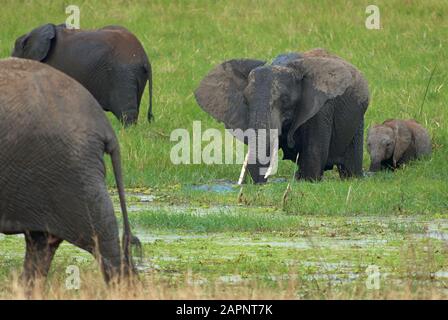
x=272 y=164
x=244 y=169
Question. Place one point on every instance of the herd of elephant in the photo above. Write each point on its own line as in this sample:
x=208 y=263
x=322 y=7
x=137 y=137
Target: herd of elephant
x=54 y=133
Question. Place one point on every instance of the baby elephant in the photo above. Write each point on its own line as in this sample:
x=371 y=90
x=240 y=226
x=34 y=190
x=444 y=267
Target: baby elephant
x=396 y=142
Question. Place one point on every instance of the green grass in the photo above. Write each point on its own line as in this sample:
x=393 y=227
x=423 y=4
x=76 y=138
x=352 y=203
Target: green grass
x=184 y=40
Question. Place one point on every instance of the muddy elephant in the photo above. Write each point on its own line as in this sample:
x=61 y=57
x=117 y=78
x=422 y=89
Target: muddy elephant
x=314 y=101
x=110 y=62
x=53 y=136
x=395 y=142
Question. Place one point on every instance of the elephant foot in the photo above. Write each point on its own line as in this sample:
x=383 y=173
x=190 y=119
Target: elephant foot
x=306 y=177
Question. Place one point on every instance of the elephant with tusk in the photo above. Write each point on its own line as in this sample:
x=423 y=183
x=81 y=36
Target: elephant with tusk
x=314 y=101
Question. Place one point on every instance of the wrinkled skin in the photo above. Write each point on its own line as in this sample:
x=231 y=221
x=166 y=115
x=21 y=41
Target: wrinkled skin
x=315 y=100
x=53 y=136
x=109 y=62
x=396 y=142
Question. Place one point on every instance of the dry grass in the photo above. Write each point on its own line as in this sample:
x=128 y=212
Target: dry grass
x=152 y=288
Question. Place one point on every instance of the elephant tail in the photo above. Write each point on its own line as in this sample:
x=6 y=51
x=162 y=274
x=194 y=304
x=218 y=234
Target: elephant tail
x=128 y=238
x=149 y=71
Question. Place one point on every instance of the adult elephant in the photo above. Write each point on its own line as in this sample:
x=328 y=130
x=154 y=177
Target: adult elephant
x=53 y=135
x=110 y=62
x=314 y=100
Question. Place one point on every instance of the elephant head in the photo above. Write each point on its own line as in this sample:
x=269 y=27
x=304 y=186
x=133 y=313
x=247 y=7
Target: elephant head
x=35 y=45
x=389 y=140
x=249 y=94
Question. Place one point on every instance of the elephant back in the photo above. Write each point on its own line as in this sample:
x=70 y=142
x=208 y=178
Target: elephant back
x=53 y=135
x=43 y=101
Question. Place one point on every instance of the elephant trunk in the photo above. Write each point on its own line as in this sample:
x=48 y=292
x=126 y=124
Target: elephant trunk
x=263 y=149
x=377 y=155
x=375 y=161
x=375 y=166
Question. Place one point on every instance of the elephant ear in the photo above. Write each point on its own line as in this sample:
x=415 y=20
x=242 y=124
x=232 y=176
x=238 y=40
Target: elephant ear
x=220 y=93
x=324 y=77
x=36 y=44
x=403 y=139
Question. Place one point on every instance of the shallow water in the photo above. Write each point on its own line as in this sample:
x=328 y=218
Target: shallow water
x=220 y=186
x=138 y=202
x=334 y=273
x=438 y=231
x=308 y=243
x=146 y=237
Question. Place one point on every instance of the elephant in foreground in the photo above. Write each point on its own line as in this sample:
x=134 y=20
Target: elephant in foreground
x=395 y=142
x=314 y=100
x=110 y=62
x=53 y=136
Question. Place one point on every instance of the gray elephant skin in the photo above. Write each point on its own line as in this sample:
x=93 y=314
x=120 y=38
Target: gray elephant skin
x=315 y=100
x=395 y=142
x=110 y=62
x=53 y=136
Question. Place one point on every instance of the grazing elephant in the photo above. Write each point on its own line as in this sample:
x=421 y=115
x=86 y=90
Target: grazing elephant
x=316 y=101
x=110 y=62
x=53 y=136
x=396 y=142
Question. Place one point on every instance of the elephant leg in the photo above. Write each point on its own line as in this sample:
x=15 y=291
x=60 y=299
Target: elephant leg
x=315 y=138
x=109 y=258
x=311 y=167
x=105 y=244
x=352 y=161
x=127 y=117
x=125 y=96
x=40 y=250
